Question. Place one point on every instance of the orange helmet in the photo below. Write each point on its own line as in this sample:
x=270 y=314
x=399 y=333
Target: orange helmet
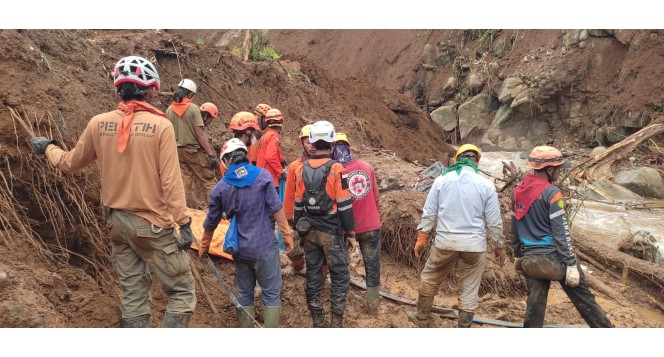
x=273 y=117
x=261 y=109
x=243 y=121
x=210 y=108
x=543 y=156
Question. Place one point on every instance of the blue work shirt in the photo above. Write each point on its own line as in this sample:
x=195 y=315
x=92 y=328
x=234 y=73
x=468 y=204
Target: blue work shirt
x=256 y=203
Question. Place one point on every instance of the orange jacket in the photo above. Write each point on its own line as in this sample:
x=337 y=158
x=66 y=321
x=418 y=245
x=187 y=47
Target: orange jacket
x=289 y=192
x=253 y=153
x=269 y=154
x=337 y=190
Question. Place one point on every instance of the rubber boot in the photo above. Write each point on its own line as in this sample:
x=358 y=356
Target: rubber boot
x=172 y=320
x=319 y=319
x=242 y=320
x=465 y=319
x=422 y=316
x=337 y=321
x=136 y=322
x=373 y=297
x=271 y=316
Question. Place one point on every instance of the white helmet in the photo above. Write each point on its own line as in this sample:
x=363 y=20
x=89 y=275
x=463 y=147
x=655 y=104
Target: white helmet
x=232 y=145
x=134 y=69
x=322 y=130
x=188 y=84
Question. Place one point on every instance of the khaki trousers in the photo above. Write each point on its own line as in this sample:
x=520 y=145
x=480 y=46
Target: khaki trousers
x=195 y=168
x=469 y=268
x=138 y=248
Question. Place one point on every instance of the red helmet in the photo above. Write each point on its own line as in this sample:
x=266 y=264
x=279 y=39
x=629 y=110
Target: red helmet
x=273 y=117
x=262 y=109
x=210 y=108
x=243 y=121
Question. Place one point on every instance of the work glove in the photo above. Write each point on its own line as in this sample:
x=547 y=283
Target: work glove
x=517 y=266
x=186 y=236
x=572 y=276
x=214 y=162
x=419 y=244
x=286 y=235
x=283 y=175
x=40 y=143
x=206 y=240
x=351 y=242
x=500 y=255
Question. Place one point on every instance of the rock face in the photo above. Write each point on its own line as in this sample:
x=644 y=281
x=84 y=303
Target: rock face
x=645 y=181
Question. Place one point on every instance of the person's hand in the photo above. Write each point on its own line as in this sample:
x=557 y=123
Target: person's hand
x=206 y=240
x=351 y=242
x=572 y=276
x=517 y=266
x=40 y=143
x=419 y=244
x=214 y=162
x=500 y=255
x=186 y=236
x=288 y=242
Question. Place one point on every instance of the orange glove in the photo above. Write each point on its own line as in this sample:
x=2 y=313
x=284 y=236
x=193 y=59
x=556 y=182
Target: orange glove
x=286 y=235
x=419 y=244
x=206 y=240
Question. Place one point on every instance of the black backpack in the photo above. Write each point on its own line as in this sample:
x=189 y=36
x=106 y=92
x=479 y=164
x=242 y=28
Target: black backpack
x=316 y=200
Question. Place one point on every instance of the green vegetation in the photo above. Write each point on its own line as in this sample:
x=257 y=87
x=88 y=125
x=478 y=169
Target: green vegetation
x=260 y=47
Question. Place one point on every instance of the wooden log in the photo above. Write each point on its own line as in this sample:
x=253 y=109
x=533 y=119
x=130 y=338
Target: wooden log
x=627 y=240
x=598 y=265
x=654 y=301
x=600 y=286
x=608 y=256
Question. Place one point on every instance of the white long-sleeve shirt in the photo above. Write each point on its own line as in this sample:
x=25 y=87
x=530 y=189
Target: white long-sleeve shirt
x=466 y=205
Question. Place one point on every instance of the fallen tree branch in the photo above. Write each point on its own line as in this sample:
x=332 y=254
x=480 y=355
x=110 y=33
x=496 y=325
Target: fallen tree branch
x=600 y=165
x=607 y=255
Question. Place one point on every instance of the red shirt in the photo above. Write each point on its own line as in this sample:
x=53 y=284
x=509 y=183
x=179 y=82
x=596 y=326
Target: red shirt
x=364 y=194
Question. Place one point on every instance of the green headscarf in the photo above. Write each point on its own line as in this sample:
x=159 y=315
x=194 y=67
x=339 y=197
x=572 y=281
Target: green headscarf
x=457 y=166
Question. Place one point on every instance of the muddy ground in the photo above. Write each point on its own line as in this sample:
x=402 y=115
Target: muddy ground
x=62 y=277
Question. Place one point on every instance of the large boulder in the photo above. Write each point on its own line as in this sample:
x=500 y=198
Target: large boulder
x=612 y=190
x=445 y=116
x=473 y=112
x=645 y=181
x=512 y=129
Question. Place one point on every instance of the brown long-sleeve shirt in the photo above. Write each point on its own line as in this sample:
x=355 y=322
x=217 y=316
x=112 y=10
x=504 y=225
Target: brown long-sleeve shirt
x=145 y=179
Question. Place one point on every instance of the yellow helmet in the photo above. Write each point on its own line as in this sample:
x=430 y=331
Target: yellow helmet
x=304 y=132
x=468 y=147
x=342 y=137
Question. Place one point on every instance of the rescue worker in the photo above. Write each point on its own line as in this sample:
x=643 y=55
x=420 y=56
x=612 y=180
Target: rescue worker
x=463 y=205
x=269 y=147
x=141 y=189
x=323 y=217
x=197 y=159
x=209 y=112
x=366 y=201
x=244 y=126
x=246 y=192
x=297 y=257
x=259 y=111
x=542 y=242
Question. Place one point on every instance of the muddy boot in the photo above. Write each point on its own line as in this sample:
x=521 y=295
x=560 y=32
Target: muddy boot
x=135 y=322
x=319 y=318
x=373 y=297
x=172 y=320
x=271 y=316
x=337 y=321
x=465 y=318
x=242 y=320
x=422 y=316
